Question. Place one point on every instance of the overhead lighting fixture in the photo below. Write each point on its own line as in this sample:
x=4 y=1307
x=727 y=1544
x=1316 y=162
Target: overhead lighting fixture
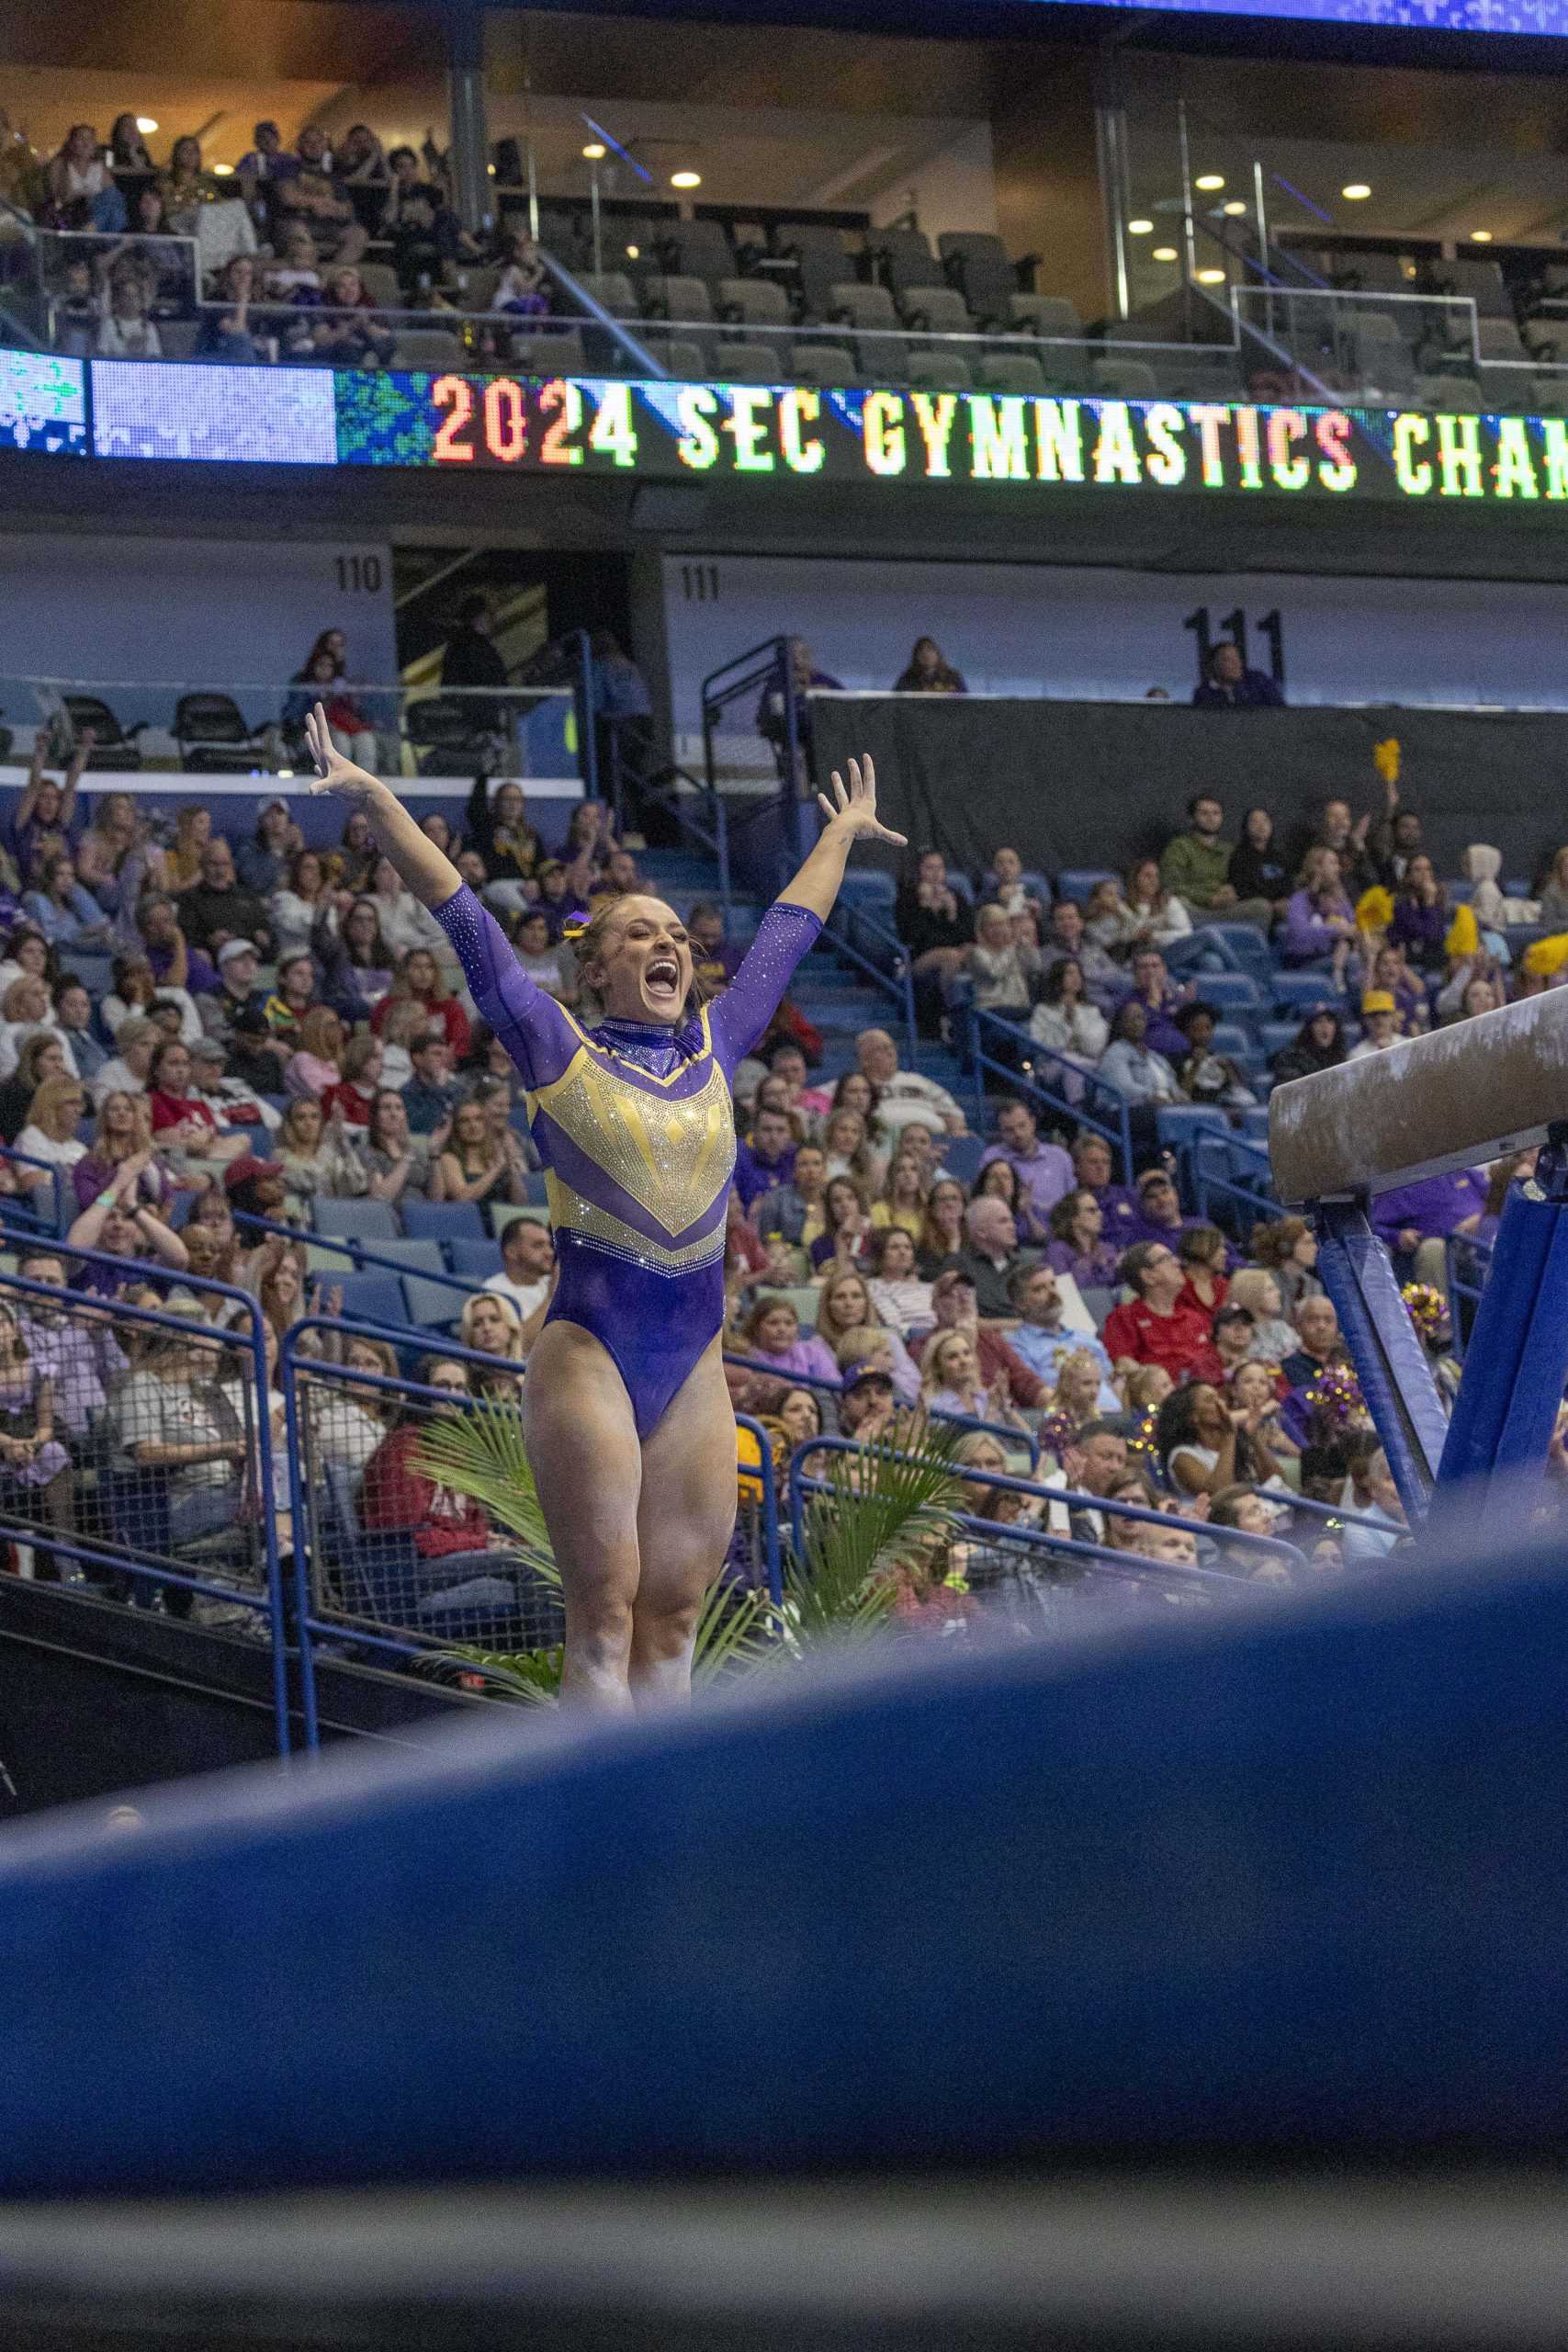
x=1356 y=193
x=1211 y=278
x=595 y=152
x=1210 y=181
x=633 y=253
x=146 y=124
x=1234 y=210
x=223 y=171
x=1164 y=253
x=1140 y=228
x=1481 y=236
x=686 y=179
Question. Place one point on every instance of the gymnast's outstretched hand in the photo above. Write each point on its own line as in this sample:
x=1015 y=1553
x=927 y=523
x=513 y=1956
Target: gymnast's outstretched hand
x=427 y=871
x=333 y=773
x=855 y=813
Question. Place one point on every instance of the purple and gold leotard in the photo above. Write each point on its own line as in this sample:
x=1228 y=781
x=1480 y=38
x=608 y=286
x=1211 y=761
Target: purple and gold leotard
x=634 y=1123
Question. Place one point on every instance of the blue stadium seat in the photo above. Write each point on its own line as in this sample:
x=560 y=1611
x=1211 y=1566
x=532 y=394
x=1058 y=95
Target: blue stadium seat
x=374 y=1298
x=95 y=971
x=958 y=882
x=1273 y=1036
x=1301 y=991
x=1076 y=882
x=1231 y=1038
x=431 y=1305
x=383 y=1577
x=475 y=1261
x=1230 y=993
x=356 y=1220
x=414 y=1257
x=1255 y=1124
x=1180 y=1123
x=866 y=886
x=962 y=1155
x=443 y=1221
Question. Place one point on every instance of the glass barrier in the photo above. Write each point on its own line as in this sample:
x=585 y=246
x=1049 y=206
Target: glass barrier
x=182 y=725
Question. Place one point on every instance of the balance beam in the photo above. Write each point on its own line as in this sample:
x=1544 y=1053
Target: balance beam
x=1486 y=1087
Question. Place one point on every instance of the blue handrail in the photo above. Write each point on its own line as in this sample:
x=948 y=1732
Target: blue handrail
x=362 y=1254
x=1257 y=1204
x=1025 y=1439
x=1035 y=1538
x=253 y=1340
x=1071 y=1101
x=1071 y=1496
x=898 y=982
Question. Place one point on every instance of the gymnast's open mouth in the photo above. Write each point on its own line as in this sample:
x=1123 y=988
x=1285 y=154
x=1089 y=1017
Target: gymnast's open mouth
x=662 y=977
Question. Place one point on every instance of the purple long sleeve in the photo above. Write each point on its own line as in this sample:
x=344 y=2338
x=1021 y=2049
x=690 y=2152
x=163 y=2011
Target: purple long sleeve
x=530 y=1025
x=740 y=1015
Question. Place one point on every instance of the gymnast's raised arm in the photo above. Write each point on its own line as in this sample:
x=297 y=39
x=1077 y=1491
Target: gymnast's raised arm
x=530 y=1025
x=851 y=816
x=428 y=871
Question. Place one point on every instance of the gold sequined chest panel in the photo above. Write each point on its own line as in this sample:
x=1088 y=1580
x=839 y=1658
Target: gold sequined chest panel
x=672 y=1155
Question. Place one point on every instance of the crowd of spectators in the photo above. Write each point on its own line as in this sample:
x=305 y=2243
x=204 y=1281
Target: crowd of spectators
x=286 y=1026
x=320 y=252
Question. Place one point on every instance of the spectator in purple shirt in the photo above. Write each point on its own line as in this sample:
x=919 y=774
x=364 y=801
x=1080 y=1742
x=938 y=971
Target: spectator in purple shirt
x=1229 y=685
x=1320 y=922
x=1421 y=917
x=1044 y=1170
x=175 y=963
x=1078 y=1246
x=1414 y=1220
x=1159 y=1209
x=1161 y=1000
x=771 y=1336
x=767 y=1159
x=1092 y=1164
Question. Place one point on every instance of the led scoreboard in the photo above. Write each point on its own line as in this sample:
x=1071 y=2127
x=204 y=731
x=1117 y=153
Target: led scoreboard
x=773 y=437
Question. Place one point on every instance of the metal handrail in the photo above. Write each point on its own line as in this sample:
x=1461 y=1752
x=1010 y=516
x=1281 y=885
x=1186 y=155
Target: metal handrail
x=1035 y=1538
x=1022 y=1077
x=1025 y=1439
x=1072 y=1498
x=361 y=1253
x=254 y=1339
x=898 y=983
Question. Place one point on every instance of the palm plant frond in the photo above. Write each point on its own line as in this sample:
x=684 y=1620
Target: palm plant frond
x=480 y=1453
x=886 y=1510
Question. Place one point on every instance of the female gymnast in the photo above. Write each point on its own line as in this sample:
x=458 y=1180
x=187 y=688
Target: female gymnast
x=629 y=1428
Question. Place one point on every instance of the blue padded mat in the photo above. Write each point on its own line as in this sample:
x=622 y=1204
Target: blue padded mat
x=1291 y=1877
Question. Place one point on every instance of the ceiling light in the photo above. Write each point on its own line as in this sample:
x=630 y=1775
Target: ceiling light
x=1164 y=253
x=223 y=171
x=686 y=179
x=1356 y=193
x=1234 y=210
x=1210 y=181
x=146 y=124
x=1140 y=228
x=1481 y=236
x=1211 y=278
x=595 y=152
x=633 y=253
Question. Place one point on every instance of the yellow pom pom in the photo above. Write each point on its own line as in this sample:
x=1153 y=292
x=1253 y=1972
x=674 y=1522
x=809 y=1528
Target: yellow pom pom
x=1385 y=759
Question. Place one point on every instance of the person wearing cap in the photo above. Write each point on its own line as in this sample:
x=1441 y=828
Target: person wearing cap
x=1159 y=1216
x=232 y=1102
x=256 y=1187
x=1379 y=1018
x=263 y=861
x=1157 y=1326
x=866 y=1406
x=953 y=1307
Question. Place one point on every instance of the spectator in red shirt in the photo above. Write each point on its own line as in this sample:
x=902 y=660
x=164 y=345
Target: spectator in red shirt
x=445 y=1526
x=1157 y=1326
x=182 y=1122
x=953 y=1305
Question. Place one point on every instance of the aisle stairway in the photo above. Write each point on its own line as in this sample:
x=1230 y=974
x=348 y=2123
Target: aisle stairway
x=834 y=996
